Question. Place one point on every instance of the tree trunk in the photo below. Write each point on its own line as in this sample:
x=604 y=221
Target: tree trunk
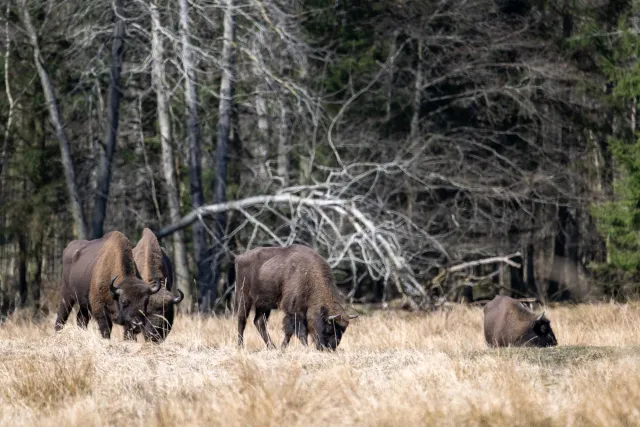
x=417 y=96
x=158 y=77
x=113 y=113
x=36 y=286
x=392 y=53
x=284 y=143
x=259 y=149
x=195 y=162
x=209 y=293
x=52 y=104
x=7 y=87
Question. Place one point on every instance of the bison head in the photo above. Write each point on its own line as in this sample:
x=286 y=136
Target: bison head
x=330 y=328
x=160 y=313
x=132 y=299
x=542 y=335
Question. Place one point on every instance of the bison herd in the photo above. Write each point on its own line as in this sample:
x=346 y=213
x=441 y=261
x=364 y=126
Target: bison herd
x=114 y=282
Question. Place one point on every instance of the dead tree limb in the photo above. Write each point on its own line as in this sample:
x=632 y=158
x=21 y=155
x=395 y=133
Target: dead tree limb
x=208 y=210
x=503 y=259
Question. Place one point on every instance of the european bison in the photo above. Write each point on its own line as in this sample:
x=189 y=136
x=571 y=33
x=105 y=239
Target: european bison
x=154 y=264
x=89 y=271
x=507 y=322
x=299 y=282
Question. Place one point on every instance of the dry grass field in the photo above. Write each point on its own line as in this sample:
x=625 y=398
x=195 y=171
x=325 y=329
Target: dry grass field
x=390 y=369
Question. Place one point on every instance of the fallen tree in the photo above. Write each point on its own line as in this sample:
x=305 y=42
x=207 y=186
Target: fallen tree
x=345 y=232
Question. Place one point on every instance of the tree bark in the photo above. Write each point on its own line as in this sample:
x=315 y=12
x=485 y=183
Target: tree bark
x=260 y=148
x=7 y=87
x=113 y=114
x=417 y=96
x=52 y=104
x=195 y=161
x=284 y=143
x=209 y=293
x=392 y=55
x=168 y=162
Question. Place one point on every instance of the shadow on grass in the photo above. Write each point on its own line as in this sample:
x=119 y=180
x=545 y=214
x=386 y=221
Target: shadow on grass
x=561 y=356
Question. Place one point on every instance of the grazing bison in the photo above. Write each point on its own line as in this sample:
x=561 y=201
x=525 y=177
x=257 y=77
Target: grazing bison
x=89 y=271
x=299 y=282
x=507 y=322
x=154 y=264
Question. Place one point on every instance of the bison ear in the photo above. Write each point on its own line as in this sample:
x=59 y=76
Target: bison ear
x=156 y=287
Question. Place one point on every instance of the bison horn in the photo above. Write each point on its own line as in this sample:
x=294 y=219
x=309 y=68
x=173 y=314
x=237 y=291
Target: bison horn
x=332 y=317
x=353 y=316
x=176 y=300
x=166 y=279
x=541 y=316
x=112 y=288
x=155 y=288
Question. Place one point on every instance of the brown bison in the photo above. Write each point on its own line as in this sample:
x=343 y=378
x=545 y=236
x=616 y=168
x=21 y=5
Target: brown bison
x=299 y=282
x=507 y=322
x=89 y=271
x=154 y=264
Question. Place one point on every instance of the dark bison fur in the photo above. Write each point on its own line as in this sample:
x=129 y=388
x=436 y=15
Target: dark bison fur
x=507 y=322
x=101 y=277
x=155 y=265
x=299 y=282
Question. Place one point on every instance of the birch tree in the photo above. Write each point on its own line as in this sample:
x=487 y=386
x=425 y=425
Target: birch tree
x=193 y=132
x=56 y=120
x=168 y=161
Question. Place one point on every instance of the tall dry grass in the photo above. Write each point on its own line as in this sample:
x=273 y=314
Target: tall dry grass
x=390 y=369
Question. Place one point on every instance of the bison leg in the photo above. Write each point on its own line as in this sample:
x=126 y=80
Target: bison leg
x=104 y=324
x=301 y=329
x=243 y=309
x=260 y=320
x=129 y=333
x=294 y=324
x=64 y=310
x=83 y=317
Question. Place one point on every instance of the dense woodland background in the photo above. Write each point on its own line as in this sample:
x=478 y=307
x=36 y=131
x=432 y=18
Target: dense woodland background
x=402 y=139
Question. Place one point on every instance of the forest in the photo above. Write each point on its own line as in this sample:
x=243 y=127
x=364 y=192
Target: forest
x=431 y=151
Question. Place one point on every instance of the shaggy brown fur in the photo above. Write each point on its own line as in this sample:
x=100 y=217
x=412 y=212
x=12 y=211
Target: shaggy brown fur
x=89 y=270
x=507 y=322
x=299 y=282
x=154 y=264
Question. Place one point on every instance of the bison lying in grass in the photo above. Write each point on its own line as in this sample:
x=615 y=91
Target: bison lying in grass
x=299 y=282
x=507 y=322
x=89 y=271
x=154 y=264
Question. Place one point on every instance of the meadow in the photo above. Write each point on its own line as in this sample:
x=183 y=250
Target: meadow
x=392 y=368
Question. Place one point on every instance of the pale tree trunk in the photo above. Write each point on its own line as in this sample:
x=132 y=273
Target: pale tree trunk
x=417 y=96
x=7 y=86
x=209 y=294
x=168 y=165
x=284 y=142
x=392 y=55
x=260 y=148
x=52 y=104
x=195 y=162
x=113 y=114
